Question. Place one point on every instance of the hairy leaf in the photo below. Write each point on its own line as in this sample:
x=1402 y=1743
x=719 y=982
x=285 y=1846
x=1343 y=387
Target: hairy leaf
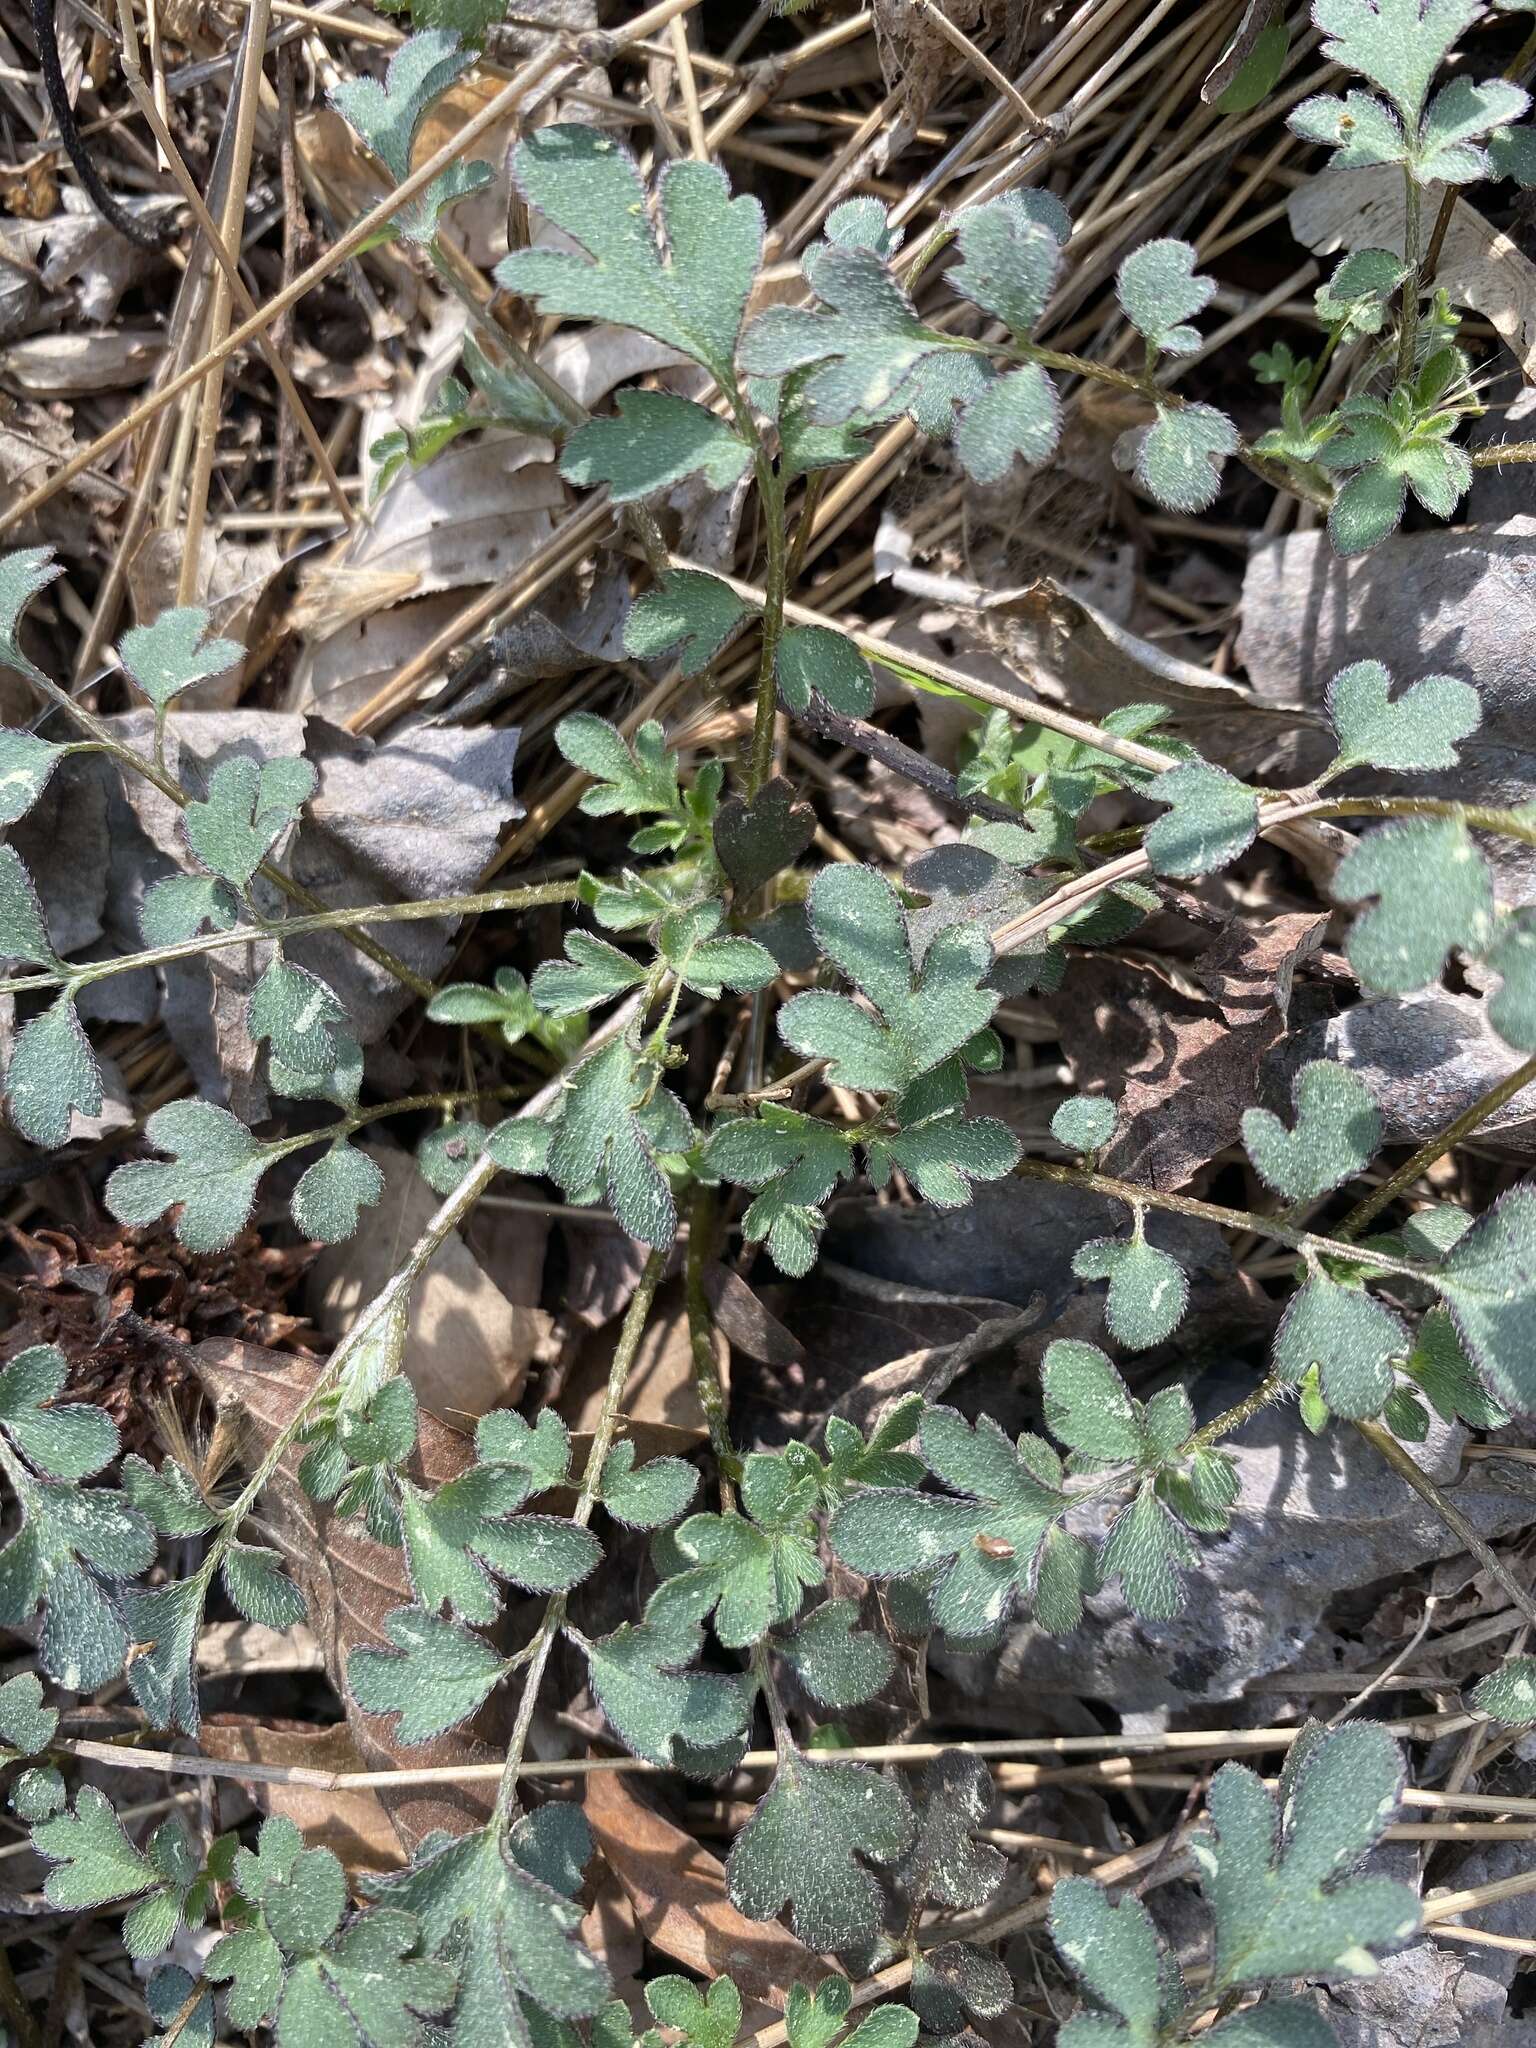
x=1280 y=1876
x=802 y=1847
x=839 y=1664
x=1178 y=459
x=1148 y=1290
x=815 y=661
x=174 y=652
x=1212 y=819
x=1417 y=730
x=1429 y=891
x=1509 y=1694
x=656 y=440
x=691 y=298
x=213 y=1174
x=249 y=806
x=1160 y=292
x=52 y=1074
x=1337 y=1131
x=1351 y=1339
x=436 y=1675
x=389 y=115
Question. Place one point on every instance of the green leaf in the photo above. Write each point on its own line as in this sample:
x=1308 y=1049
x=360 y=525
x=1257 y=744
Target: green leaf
x=23 y=934
x=1212 y=819
x=592 y=973
x=642 y=1675
x=27 y=1727
x=689 y=612
x=174 y=652
x=340 y=1084
x=709 y=2018
x=647 y=1498
x=1507 y=1695
x=25 y=766
x=600 y=1142
x=178 y=907
x=94 y=1863
x=1459 y=117
x=1512 y=956
x=796 y=1162
x=260 y=1588
x=52 y=1073
x=1352 y=1340
x=1442 y=1369
x=167 y=1992
x=213 y=1174
x=1276 y=2023
x=163 y=1624
x=71 y=1539
x=853 y=1462
x=1178 y=459
x=656 y=440
x=470 y=1528
x=445 y=1154
x=1337 y=1131
x=693 y=298
x=940 y=1151
x=756 y=840
x=1084 y=1123
x=1357 y=297
x=813 y=661
x=298 y=1014
x=1366 y=510
x=248 y=808
x=1088 y=1407
x=518 y=1937
x=1360 y=129
x=987 y=1542
x=1148 y=1290
x=1432 y=892
x=1279 y=1878
x=866 y=347
x=332 y=1193
x=388 y=117
x=1159 y=292
x=1489 y=1284
x=23 y=573
x=761 y=1561
x=839 y=1664
x=709 y=964
x=1144 y=1545
x=441 y=1675
x=925 y=1015
x=1010 y=265
x=802 y=1848
x=946 y=1866
x=1397 y=44
x=62 y=1440
x=1113 y=1949
x=1417 y=730
x=366 y=1979
x=1016 y=418
x=814 y=2019
x=542 y=1451
x=1249 y=67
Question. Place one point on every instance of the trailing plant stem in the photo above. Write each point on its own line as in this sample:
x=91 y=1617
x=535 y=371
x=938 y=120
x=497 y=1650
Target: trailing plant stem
x=1211 y=1212
x=706 y=1377
x=343 y=920
x=630 y=1333
x=1408 y=1468
x=1491 y=1099
x=770 y=491
x=1270 y=1389
x=1408 y=315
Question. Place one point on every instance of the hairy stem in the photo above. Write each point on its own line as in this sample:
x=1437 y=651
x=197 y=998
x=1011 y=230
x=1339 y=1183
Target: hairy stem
x=1409 y=1469
x=630 y=1333
x=1270 y=1389
x=702 y=1218
x=770 y=491
x=1491 y=1099
x=344 y=920
x=1408 y=313
x=1212 y=1212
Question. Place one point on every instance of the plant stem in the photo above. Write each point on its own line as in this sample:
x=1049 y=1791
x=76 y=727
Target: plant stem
x=702 y=1216
x=770 y=491
x=1491 y=1099
x=1270 y=1389
x=343 y=920
x=630 y=1333
x=1408 y=300
x=1212 y=1212
x=1409 y=1469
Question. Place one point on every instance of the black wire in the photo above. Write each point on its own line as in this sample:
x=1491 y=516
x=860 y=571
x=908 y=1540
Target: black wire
x=148 y=235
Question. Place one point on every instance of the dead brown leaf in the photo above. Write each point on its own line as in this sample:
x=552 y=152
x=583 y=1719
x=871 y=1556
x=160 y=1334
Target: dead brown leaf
x=353 y=1825
x=350 y=1582
x=678 y=1892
